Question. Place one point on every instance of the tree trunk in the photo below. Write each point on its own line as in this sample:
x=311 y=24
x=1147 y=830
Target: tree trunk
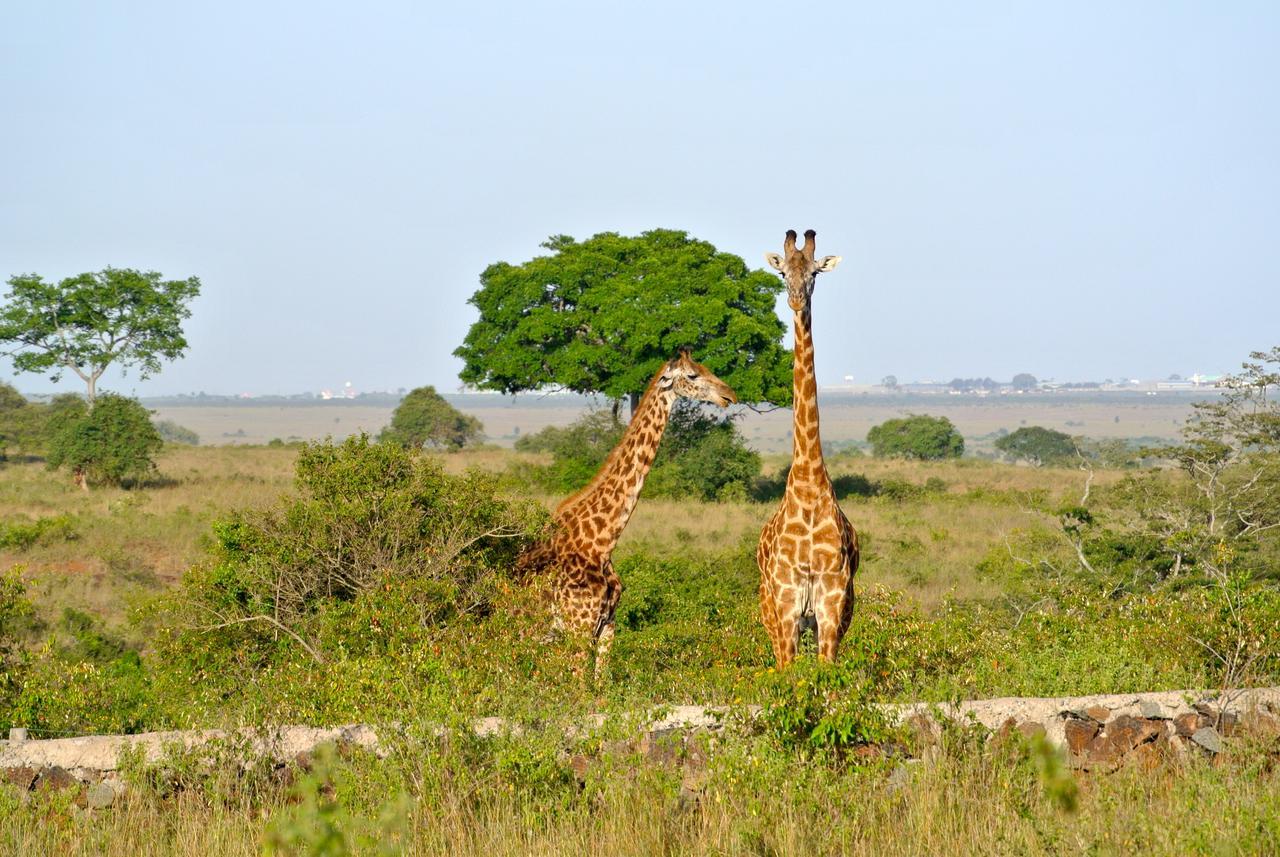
x=635 y=404
x=92 y=381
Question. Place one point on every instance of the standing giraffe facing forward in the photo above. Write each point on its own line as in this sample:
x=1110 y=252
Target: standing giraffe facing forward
x=808 y=551
x=584 y=586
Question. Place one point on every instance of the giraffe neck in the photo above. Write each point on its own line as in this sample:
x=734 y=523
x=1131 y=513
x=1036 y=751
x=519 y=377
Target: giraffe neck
x=615 y=489
x=807 y=465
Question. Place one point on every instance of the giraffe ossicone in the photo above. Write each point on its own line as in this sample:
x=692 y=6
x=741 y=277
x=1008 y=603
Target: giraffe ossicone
x=808 y=551
x=587 y=525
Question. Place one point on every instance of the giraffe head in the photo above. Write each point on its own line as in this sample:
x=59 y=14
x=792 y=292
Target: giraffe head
x=686 y=377
x=799 y=269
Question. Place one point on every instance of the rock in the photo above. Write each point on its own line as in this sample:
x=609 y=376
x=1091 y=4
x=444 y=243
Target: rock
x=1208 y=738
x=1080 y=733
x=662 y=747
x=22 y=777
x=1152 y=710
x=1120 y=736
x=100 y=795
x=1031 y=729
x=1099 y=713
x=55 y=779
x=1187 y=724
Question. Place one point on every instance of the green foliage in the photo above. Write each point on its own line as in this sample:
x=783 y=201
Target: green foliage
x=577 y=450
x=1037 y=445
x=83 y=679
x=602 y=315
x=424 y=418
x=375 y=529
x=319 y=820
x=918 y=436
x=16 y=611
x=171 y=432
x=21 y=535
x=700 y=455
x=823 y=709
x=112 y=443
x=87 y=322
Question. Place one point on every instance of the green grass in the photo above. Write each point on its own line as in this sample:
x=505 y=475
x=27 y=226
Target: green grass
x=946 y=610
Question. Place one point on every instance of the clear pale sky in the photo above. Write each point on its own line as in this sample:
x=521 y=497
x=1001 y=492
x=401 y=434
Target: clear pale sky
x=1085 y=191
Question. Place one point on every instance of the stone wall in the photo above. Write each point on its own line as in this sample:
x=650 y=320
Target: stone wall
x=1097 y=732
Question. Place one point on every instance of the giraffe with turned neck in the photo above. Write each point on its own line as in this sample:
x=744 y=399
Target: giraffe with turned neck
x=587 y=525
x=808 y=550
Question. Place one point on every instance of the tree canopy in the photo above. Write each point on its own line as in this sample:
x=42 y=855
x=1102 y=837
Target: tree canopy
x=917 y=436
x=110 y=443
x=87 y=322
x=1024 y=381
x=1038 y=445
x=424 y=418
x=601 y=315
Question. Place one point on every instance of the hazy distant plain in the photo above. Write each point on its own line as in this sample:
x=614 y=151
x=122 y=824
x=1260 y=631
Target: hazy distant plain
x=845 y=417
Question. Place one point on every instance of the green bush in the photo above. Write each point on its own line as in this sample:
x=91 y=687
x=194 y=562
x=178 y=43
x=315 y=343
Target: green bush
x=375 y=529
x=424 y=418
x=171 y=432
x=577 y=450
x=918 y=436
x=111 y=443
x=700 y=456
x=1037 y=445
x=23 y=534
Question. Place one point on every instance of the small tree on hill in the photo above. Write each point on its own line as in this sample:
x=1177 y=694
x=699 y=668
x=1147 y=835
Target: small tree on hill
x=109 y=444
x=918 y=436
x=601 y=315
x=86 y=323
x=424 y=418
x=1037 y=445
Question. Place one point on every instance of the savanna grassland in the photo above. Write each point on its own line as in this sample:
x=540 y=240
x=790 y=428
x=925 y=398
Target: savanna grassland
x=194 y=600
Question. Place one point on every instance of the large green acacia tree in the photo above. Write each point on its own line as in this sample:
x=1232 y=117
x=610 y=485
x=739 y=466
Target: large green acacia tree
x=87 y=322
x=601 y=315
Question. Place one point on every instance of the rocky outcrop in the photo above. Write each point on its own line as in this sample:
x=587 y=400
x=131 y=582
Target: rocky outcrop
x=1097 y=732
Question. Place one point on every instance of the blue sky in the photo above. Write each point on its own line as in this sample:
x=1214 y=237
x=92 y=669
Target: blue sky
x=1085 y=190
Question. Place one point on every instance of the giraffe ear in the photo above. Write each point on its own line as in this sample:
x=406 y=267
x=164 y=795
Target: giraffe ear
x=774 y=260
x=828 y=263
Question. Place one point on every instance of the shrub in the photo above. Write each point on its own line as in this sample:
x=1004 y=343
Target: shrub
x=171 y=432
x=111 y=443
x=577 y=450
x=368 y=518
x=1037 y=445
x=24 y=534
x=918 y=436
x=424 y=418
x=700 y=456
x=15 y=612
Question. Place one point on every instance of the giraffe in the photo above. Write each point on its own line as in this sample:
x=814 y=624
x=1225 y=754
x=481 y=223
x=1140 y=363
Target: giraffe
x=808 y=550
x=587 y=525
